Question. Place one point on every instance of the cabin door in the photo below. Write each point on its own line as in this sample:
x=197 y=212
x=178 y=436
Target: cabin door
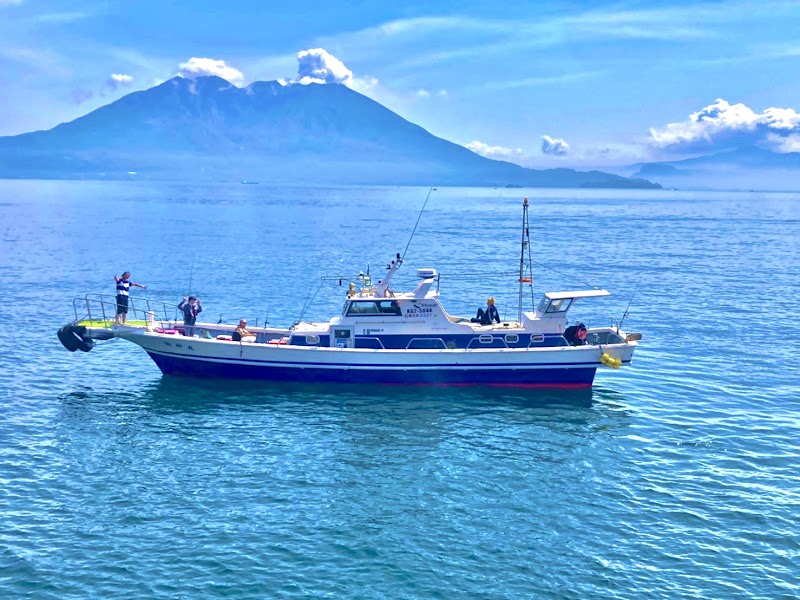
x=343 y=337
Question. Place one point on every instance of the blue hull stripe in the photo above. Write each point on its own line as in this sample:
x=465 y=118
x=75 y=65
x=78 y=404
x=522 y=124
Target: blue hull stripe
x=404 y=366
x=558 y=377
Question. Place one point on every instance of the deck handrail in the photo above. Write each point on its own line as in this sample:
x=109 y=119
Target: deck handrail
x=103 y=308
x=477 y=344
x=426 y=339
x=372 y=338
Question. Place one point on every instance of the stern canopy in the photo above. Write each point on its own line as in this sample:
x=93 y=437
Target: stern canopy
x=556 y=304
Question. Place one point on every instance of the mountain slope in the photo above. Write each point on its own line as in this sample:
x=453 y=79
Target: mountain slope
x=746 y=157
x=208 y=128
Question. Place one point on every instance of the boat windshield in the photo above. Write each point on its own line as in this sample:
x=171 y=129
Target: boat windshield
x=559 y=306
x=374 y=308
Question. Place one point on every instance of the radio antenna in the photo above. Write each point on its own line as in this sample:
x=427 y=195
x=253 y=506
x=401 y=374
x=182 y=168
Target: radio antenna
x=413 y=231
x=625 y=314
x=525 y=244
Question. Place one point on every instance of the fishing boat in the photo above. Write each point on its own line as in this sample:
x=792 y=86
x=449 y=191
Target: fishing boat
x=381 y=336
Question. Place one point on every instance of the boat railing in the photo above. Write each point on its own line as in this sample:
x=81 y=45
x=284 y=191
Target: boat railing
x=426 y=343
x=486 y=340
x=99 y=310
x=370 y=340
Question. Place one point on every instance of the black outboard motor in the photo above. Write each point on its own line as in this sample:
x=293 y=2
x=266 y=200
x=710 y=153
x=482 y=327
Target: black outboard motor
x=576 y=334
x=73 y=337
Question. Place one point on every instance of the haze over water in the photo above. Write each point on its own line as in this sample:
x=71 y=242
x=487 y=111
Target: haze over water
x=676 y=477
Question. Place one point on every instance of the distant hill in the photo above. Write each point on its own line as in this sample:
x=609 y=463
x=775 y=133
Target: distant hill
x=209 y=129
x=747 y=166
x=658 y=170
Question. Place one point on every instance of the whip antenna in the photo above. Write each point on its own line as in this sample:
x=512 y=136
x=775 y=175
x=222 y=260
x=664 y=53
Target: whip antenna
x=625 y=314
x=413 y=231
x=525 y=245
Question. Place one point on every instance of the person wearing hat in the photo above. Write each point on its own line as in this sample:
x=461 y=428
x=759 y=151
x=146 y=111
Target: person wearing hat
x=488 y=315
x=241 y=331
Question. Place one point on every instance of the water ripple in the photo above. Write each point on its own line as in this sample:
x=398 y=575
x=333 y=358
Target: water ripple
x=672 y=478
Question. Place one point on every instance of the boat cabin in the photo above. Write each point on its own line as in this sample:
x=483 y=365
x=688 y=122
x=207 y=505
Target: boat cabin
x=377 y=318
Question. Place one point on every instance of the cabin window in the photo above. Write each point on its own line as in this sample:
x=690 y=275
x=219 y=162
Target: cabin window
x=559 y=306
x=486 y=339
x=341 y=334
x=512 y=338
x=312 y=340
x=389 y=307
x=374 y=308
x=537 y=339
x=362 y=308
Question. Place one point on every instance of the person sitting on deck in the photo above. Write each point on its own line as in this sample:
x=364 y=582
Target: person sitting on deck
x=487 y=316
x=241 y=331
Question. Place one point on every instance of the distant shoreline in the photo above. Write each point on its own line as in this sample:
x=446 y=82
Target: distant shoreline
x=622 y=185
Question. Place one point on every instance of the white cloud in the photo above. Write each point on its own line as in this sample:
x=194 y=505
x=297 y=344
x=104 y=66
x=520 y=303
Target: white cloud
x=198 y=67
x=423 y=93
x=493 y=151
x=401 y=41
x=546 y=80
x=118 y=80
x=554 y=146
x=319 y=66
x=789 y=143
x=722 y=125
x=363 y=84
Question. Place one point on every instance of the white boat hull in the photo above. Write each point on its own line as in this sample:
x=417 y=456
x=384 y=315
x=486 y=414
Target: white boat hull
x=566 y=367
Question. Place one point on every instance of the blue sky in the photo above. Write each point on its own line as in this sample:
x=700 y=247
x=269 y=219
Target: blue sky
x=608 y=83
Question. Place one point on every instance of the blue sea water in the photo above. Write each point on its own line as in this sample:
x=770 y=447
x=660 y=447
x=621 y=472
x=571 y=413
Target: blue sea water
x=674 y=478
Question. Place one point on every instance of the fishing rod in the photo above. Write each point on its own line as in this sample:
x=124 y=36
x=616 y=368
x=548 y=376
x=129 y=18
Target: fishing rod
x=625 y=314
x=310 y=299
x=413 y=231
x=191 y=274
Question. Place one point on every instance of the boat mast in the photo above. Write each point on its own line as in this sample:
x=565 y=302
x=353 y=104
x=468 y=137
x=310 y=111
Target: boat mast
x=525 y=244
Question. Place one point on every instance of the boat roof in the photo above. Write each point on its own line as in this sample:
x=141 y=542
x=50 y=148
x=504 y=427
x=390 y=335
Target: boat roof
x=576 y=294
